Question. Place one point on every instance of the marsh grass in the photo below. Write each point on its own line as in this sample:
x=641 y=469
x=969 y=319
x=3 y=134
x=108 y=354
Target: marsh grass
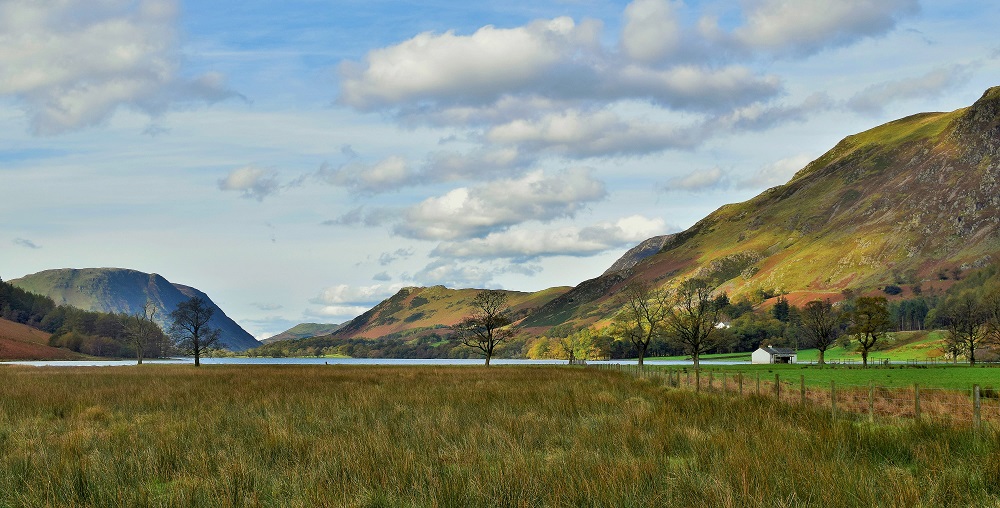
x=454 y=436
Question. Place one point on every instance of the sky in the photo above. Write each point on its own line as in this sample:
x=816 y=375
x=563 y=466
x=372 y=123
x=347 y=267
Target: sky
x=300 y=161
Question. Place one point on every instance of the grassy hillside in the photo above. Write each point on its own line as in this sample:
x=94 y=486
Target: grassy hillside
x=303 y=331
x=22 y=342
x=903 y=203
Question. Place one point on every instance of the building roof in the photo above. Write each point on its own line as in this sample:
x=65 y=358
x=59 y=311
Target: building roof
x=779 y=351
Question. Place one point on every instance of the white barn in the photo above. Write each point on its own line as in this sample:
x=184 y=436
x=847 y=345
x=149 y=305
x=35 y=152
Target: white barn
x=768 y=354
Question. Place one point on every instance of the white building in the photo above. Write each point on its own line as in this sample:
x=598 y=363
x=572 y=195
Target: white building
x=768 y=354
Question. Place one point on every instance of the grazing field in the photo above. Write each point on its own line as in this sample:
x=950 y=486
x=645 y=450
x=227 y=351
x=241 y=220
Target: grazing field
x=454 y=436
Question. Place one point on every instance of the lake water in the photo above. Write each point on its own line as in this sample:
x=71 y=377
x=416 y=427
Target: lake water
x=344 y=361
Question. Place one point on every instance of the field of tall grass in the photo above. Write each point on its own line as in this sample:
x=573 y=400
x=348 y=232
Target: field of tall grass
x=455 y=436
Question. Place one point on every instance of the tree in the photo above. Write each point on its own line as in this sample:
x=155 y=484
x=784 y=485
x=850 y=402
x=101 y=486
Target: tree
x=141 y=330
x=869 y=323
x=577 y=346
x=190 y=329
x=693 y=317
x=780 y=311
x=821 y=323
x=644 y=309
x=489 y=325
x=965 y=318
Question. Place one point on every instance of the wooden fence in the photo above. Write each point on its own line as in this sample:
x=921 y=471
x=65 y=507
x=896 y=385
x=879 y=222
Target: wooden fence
x=974 y=406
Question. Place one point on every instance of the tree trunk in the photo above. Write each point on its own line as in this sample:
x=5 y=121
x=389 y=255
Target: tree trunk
x=972 y=356
x=488 y=359
x=864 y=358
x=821 y=357
x=696 y=361
x=197 y=358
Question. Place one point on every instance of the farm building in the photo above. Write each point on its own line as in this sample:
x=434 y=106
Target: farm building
x=768 y=354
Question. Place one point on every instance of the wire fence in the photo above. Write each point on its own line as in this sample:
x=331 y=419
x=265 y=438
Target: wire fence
x=975 y=406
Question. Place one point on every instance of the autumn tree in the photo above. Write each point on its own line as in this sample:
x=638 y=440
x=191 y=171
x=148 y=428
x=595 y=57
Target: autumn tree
x=821 y=323
x=576 y=346
x=190 y=329
x=644 y=309
x=489 y=325
x=870 y=323
x=141 y=330
x=692 y=317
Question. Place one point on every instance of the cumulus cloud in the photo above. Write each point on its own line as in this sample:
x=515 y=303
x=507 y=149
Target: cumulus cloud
x=365 y=216
x=476 y=211
x=760 y=116
x=652 y=31
x=524 y=244
x=777 y=173
x=873 y=99
x=73 y=63
x=455 y=275
x=697 y=180
x=342 y=294
x=807 y=26
x=253 y=182
x=387 y=174
x=24 y=242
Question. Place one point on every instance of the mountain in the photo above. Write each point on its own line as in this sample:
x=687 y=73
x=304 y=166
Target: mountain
x=122 y=290
x=416 y=310
x=636 y=254
x=303 y=331
x=910 y=201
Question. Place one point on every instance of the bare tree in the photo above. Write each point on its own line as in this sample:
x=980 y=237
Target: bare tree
x=641 y=318
x=869 y=323
x=141 y=329
x=190 y=329
x=489 y=325
x=821 y=322
x=693 y=317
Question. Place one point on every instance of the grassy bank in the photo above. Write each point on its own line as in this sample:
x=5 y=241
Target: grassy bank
x=455 y=436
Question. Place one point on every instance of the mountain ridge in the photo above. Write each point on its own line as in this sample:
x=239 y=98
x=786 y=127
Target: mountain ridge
x=126 y=290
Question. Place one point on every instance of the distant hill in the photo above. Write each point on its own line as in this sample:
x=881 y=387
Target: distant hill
x=419 y=309
x=303 y=331
x=22 y=342
x=123 y=290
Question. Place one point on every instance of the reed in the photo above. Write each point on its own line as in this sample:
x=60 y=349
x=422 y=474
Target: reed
x=454 y=436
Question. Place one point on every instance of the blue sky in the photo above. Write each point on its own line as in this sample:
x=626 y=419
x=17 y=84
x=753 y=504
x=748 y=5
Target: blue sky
x=302 y=160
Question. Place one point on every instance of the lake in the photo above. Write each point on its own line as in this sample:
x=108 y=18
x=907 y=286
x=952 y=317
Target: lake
x=344 y=361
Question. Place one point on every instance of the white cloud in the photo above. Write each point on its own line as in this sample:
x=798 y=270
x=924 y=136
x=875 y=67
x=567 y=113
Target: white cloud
x=874 y=98
x=340 y=312
x=344 y=294
x=454 y=68
x=476 y=211
x=807 y=26
x=777 y=173
x=652 y=31
x=527 y=244
x=454 y=275
x=253 y=182
x=387 y=174
x=73 y=63
x=697 y=180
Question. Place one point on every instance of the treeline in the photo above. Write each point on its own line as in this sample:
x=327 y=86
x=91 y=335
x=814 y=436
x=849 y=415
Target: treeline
x=87 y=332
x=432 y=345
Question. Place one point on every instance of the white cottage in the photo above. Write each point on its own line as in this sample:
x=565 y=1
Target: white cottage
x=768 y=354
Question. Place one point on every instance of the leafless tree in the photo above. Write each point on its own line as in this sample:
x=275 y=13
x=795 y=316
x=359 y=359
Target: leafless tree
x=489 y=325
x=141 y=329
x=644 y=309
x=965 y=316
x=190 y=329
x=693 y=317
x=821 y=322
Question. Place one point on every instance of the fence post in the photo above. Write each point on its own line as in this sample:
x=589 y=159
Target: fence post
x=725 y=389
x=697 y=380
x=689 y=378
x=777 y=386
x=758 y=383
x=710 y=378
x=802 y=387
x=976 y=407
x=741 y=383
x=833 y=398
x=916 y=400
x=871 y=401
